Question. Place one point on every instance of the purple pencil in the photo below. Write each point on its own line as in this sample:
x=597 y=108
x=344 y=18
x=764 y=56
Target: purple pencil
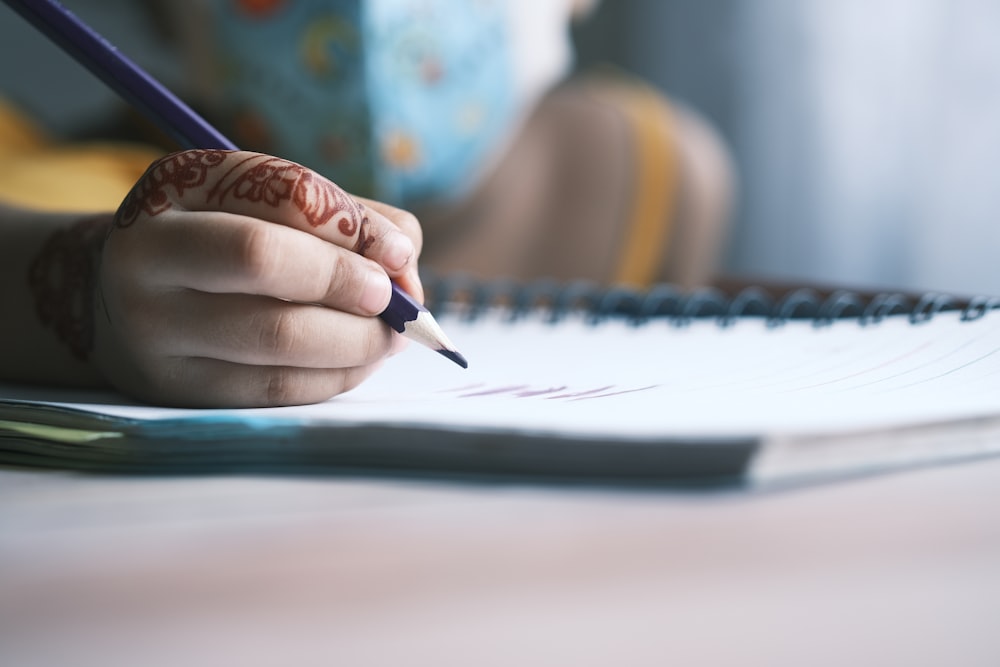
x=404 y=314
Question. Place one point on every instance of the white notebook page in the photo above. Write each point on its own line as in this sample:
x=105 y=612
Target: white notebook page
x=699 y=379
x=659 y=379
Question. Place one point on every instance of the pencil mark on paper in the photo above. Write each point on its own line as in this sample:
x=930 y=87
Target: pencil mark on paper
x=549 y=393
x=494 y=391
x=528 y=393
x=590 y=395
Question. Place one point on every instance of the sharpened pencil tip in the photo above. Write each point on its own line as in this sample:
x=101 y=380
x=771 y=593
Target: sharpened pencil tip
x=426 y=331
x=456 y=357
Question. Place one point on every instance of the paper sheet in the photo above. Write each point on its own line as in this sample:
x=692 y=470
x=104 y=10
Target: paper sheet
x=659 y=379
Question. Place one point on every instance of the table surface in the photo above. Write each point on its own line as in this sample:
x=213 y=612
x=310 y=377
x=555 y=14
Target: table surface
x=895 y=569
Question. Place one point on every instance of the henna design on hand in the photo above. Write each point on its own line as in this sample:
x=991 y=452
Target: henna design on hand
x=62 y=279
x=365 y=239
x=181 y=171
x=272 y=180
x=257 y=178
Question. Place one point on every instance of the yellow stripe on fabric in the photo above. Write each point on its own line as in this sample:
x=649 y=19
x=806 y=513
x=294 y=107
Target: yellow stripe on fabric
x=40 y=174
x=654 y=185
x=90 y=178
x=17 y=132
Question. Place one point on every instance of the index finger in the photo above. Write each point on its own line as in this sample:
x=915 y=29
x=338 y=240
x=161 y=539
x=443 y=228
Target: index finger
x=272 y=189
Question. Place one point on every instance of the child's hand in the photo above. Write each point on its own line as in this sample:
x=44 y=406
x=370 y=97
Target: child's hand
x=240 y=279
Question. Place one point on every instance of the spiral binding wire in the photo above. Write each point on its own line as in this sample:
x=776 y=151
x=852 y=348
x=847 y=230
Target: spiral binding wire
x=978 y=306
x=470 y=297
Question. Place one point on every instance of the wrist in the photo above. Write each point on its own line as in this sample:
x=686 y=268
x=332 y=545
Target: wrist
x=49 y=263
x=62 y=278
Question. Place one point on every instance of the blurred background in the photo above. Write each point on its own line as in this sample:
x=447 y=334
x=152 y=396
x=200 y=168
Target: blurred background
x=866 y=132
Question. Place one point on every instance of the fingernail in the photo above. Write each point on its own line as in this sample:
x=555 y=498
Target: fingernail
x=376 y=292
x=398 y=251
x=416 y=287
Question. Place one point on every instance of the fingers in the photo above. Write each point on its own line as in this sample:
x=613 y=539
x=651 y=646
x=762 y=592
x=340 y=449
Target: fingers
x=407 y=276
x=405 y=221
x=224 y=384
x=209 y=302
x=261 y=331
x=199 y=349
x=272 y=189
x=224 y=253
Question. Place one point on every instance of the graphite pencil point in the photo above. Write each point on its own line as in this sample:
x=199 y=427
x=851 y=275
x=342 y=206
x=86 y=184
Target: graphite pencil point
x=405 y=315
x=455 y=356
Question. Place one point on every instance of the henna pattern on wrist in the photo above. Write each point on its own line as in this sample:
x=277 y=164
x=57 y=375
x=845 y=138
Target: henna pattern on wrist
x=257 y=178
x=63 y=279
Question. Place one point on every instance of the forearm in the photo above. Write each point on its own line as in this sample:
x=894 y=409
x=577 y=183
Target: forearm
x=48 y=265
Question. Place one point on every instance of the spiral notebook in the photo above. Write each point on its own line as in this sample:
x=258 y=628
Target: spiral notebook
x=572 y=381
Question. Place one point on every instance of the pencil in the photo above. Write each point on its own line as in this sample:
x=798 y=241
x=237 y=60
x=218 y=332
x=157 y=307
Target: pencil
x=186 y=127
